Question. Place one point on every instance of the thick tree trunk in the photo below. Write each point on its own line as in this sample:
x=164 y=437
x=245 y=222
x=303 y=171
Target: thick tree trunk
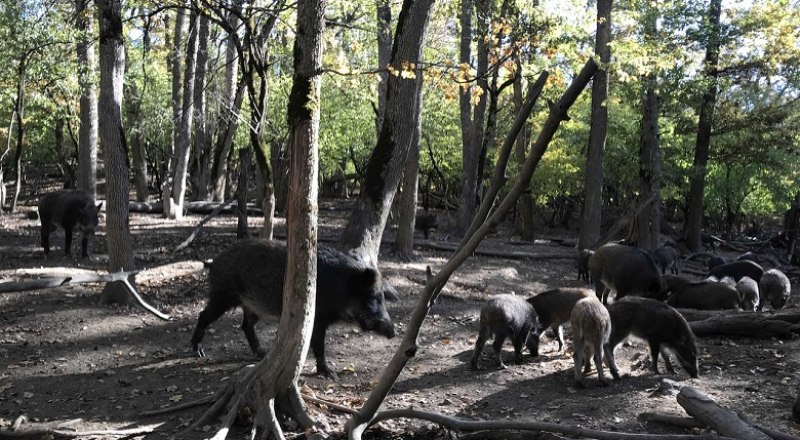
x=384 y=12
x=277 y=374
x=87 y=133
x=173 y=206
x=465 y=113
x=112 y=69
x=407 y=204
x=469 y=200
x=593 y=185
x=364 y=230
x=694 y=217
x=174 y=63
x=524 y=220
x=202 y=141
x=245 y=155
x=232 y=97
x=19 y=110
x=650 y=151
x=138 y=143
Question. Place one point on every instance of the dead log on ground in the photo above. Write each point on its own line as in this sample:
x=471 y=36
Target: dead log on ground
x=691 y=423
x=756 y=326
x=790 y=316
x=726 y=422
x=146 y=207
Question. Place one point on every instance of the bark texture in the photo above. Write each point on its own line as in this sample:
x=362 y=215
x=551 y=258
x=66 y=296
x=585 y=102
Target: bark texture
x=694 y=217
x=87 y=133
x=173 y=206
x=384 y=13
x=650 y=152
x=362 y=235
x=112 y=69
x=593 y=185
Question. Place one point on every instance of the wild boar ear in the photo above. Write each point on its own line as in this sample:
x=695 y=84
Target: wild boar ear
x=369 y=276
x=99 y=206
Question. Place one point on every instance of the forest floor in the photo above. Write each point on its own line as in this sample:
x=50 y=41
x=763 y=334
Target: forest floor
x=63 y=356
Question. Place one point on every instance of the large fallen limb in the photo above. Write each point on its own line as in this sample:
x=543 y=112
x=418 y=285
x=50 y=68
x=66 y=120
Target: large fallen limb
x=558 y=428
x=756 y=326
x=726 y=422
x=691 y=422
x=790 y=316
x=81 y=278
x=42 y=434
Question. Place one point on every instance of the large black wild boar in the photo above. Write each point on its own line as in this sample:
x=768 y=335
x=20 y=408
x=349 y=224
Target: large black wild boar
x=69 y=209
x=656 y=323
x=706 y=295
x=666 y=257
x=582 y=264
x=251 y=274
x=627 y=270
x=737 y=270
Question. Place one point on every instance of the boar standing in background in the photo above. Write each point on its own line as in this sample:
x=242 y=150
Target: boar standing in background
x=582 y=264
x=71 y=210
x=627 y=270
x=737 y=270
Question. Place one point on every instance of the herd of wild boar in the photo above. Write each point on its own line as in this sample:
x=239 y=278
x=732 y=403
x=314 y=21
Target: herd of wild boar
x=647 y=288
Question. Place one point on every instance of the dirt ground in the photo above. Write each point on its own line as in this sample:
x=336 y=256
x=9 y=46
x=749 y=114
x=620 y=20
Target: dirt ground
x=64 y=357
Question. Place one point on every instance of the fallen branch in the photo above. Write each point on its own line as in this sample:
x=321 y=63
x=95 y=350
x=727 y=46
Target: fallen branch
x=44 y=283
x=493 y=425
x=123 y=276
x=42 y=434
x=336 y=406
x=202 y=222
x=724 y=421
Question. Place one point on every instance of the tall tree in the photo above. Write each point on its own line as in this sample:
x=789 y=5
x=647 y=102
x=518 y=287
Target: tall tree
x=384 y=13
x=232 y=96
x=694 y=216
x=649 y=221
x=87 y=133
x=409 y=190
x=472 y=119
x=202 y=135
x=593 y=186
x=173 y=206
x=363 y=232
x=276 y=376
x=524 y=221
x=112 y=70
x=175 y=63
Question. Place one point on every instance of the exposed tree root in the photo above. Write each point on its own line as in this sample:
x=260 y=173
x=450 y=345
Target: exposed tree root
x=724 y=421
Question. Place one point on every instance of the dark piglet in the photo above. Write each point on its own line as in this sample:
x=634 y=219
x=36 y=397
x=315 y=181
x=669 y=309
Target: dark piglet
x=706 y=295
x=251 y=274
x=591 y=330
x=627 y=270
x=554 y=308
x=666 y=257
x=507 y=316
x=71 y=210
x=425 y=222
x=582 y=264
x=775 y=288
x=737 y=270
x=658 y=324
